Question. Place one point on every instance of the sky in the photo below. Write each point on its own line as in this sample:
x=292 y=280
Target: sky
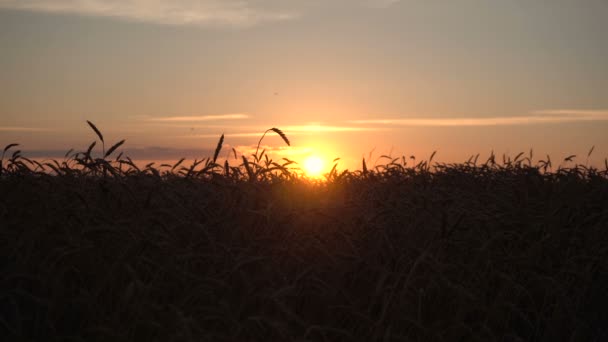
x=342 y=78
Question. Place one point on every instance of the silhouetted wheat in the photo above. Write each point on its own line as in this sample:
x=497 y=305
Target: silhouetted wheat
x=93 y=248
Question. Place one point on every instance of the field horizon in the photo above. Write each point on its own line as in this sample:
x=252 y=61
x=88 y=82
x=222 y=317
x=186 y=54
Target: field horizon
x=41 y=159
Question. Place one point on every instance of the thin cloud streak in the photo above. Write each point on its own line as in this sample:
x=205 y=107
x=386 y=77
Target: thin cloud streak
x=587 y=113
x=381 y=3
x=216 y=136
x=273 y=150
x=200 y=118
x=328 y=129
x=22 y=129
x=289 y=130
x=536 y=117
x=231 y=13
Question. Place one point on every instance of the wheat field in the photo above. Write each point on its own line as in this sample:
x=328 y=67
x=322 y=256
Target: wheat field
x=95 y=248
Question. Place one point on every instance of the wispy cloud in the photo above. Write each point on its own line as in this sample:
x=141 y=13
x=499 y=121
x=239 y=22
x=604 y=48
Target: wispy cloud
x=581 y=113
x=381 y=3
x=22 y=129
x=199 y=118
x=535 y=117
x=328 y=129
x=282 y=151
x=233 y=13
x=289 y=130
x=227 y=135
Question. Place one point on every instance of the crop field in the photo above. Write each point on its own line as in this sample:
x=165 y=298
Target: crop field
x=96 y=248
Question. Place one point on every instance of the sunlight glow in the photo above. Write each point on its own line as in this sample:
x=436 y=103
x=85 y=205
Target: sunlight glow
x=313 y=166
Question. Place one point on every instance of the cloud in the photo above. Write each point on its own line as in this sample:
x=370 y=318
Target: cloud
x=535 y=117
x=22 y=129
x=327 y=129
x=160 y=152
x=580 y=113
x=199 y=118
x=275 y=151
x=381 y=3
x=289 y=130
x=232 y=13
x=227 y=135
x=152 y=153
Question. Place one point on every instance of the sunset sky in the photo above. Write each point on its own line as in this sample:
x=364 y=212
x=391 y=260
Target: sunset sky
x=342 y=78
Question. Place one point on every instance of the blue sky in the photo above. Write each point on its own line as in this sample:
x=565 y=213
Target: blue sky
x=342 y=78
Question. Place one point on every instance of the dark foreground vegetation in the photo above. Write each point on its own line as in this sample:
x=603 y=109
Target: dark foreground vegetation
x=93 y=249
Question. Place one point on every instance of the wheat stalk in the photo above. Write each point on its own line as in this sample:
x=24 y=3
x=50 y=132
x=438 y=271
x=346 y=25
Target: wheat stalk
x=277 y=131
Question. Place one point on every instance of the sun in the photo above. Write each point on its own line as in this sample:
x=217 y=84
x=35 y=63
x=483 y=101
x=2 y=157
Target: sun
x=313 y=166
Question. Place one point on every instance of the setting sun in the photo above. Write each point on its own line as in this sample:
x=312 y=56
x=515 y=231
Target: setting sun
x=313 y=166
